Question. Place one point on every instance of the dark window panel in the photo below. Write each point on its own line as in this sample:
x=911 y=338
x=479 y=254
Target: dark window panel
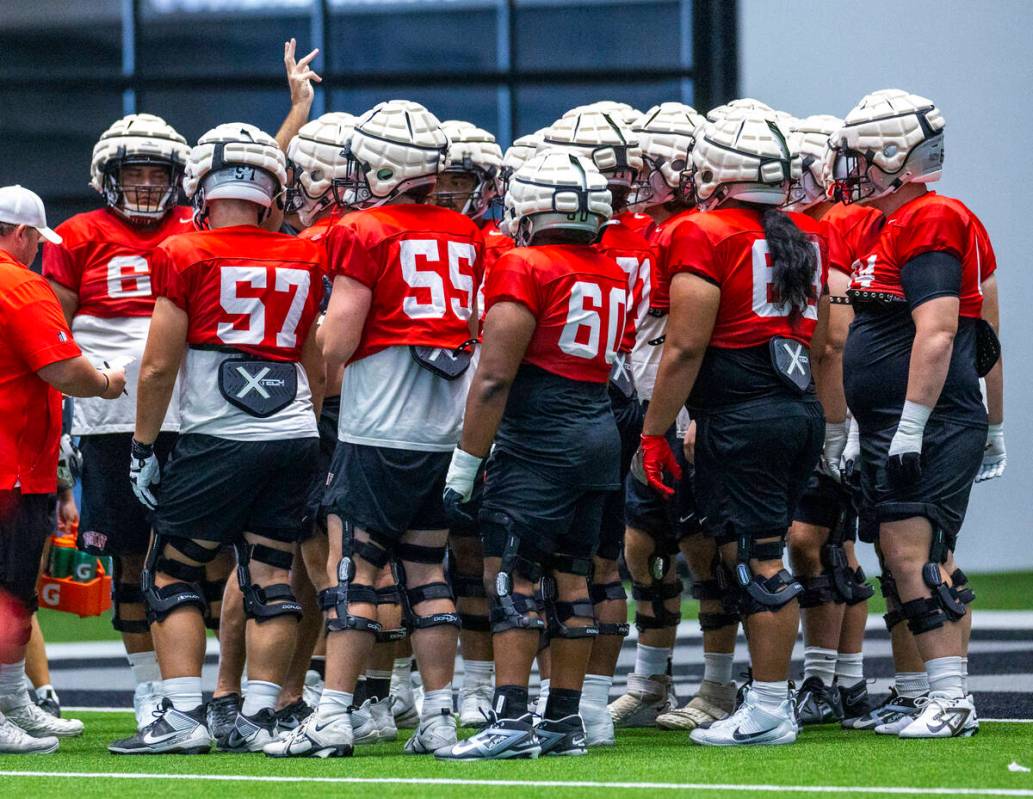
x=194 y=111
x=93 y=51
x=540 y=104
x=477 y=104
x=397 y=39
x=597 y=35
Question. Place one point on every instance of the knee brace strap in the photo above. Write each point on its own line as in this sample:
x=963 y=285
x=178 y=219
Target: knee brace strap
x=339 y=598
x=817 y=591
x=655 y=591
x=892 y=619
x=277 y=558
x=416 y=553
x=371 y=553
x=559 y=612
x=923 y=614
x=127 y=594
x=771 y=594
x=962 y=593
x=862 y=592
x=179 y=570
x=708 y=589
x=655 y=594
x=475 y=623
x=263 y=603
x=190 y=549
x=608 y=592
x=837 y=567
x=717 y=621
x=411 y=597
x=942 y=593
x=163 y=601
x=511 y=612
x=213 y=590
x=608 y=628
x=568 y=564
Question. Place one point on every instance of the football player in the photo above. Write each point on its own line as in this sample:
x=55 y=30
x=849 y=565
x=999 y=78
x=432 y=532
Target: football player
x=400 y=319
x=555 y=319
x=469 y=184
x=916 y=350
x=834 y=605
x=235 y=309
x=745 y=280
x=602 y=137
x=101 y=273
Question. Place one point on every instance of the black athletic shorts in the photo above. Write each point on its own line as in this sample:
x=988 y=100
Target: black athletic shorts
x=951 y=456
x=315 y=512
x=629 y=415
x=215 y=489
x=387 y=491
x=24 y=529
x=752 y=463
x=667 y=521
x=548 y=516
x=113 y=521
x=824 y=503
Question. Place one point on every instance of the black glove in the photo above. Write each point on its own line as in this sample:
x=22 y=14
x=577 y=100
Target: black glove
x=904 y=469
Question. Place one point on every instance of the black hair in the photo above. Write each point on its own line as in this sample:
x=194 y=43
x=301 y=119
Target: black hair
x=793 y=259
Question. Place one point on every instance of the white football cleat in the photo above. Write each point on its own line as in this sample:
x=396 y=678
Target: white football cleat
x=898 y=714
x=751 y=725
x=598 y=724
x=943 y=717
x=316 y=736
x=475 y=705
x=645 y=699
x=433 y=735
x=365 y=729
x=714 y=702
x=384 y=719
x=313 y=688
x=407 y=693
x=146 y=702
x=15 y=741
x=39 y=724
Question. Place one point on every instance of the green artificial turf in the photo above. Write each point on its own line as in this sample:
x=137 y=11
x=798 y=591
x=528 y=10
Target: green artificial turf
x=1001 y=591
x=822 y=757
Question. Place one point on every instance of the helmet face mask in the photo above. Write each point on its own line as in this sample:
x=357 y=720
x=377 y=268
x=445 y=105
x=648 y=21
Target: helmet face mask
x=316 y=160
x=666 y=135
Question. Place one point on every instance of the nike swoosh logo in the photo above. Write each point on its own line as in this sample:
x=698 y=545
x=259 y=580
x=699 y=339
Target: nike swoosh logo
x=186 y=219
x=746 y=737
x=683 y=519
x=151 y=739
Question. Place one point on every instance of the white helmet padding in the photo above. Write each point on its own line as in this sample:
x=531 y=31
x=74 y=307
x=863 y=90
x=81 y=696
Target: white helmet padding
x=666 y=134
x=318 y=156
x=603 y=138
x=555 y=190
x=810 y=138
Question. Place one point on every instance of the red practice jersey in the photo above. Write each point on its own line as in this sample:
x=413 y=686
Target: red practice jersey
x=106 y=261
x=660 y=277
x=496 y=244
x=578 y=297
x=623 y=240
x=320 y=227
x=422 y=263
x=928 y=223
x=851 y=230
x=243 y=288
x=727 y=247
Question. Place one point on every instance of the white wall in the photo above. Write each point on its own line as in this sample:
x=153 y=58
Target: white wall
x=976 y=62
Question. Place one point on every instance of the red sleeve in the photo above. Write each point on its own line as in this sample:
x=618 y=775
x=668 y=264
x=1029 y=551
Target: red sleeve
x=36 y=327
x=932 y=228
x=345 y=255
x=691 y=251
x=839 y=253
x=60 y=266
x=512 y=279
x=985 y=252
x=166 y=278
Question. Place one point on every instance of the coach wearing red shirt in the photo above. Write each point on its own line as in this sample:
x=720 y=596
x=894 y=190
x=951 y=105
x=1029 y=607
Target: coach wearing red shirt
x=38 y=362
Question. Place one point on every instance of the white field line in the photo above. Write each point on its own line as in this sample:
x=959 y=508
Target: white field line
x=591 y=785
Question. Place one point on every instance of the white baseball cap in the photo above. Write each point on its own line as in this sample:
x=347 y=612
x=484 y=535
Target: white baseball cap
x=19 y=206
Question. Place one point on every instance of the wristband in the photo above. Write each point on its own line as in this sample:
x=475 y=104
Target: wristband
x=141 y=451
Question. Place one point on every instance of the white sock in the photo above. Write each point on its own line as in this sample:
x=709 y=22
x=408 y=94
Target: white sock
x=543 y=698
x=911 y=684
x=850 y=669
x=651 y=660
x=12 y=685
x=964 y=674
x=596 y=690
x=478 y=673
x=820 y=663
x=402 y=669
x=770 y=695
x=184 y=692
x=145 y=666
x=260 y=694
x=334 y=703
x=436 y=701
x=946 y=677
x=717 y=667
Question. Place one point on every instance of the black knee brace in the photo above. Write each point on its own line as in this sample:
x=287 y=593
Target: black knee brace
x=411 y=597
x=888 y=586
x=508 y=610
x=263 y=603
x=390 y=595
x=126 y=594
x=469 y=587
x=655 y=593
x=716 y=589
x=947 y=602
x=559 y=612
x=213 y=591
x=187 y=592
x=757 y=594
x=609 y=592
x=959 y=588
x=339 y=597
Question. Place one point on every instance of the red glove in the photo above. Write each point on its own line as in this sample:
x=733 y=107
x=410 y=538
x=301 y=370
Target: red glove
x=657 y=457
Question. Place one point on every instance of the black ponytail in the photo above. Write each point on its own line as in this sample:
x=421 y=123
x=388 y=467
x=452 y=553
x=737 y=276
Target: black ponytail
x=793 y=259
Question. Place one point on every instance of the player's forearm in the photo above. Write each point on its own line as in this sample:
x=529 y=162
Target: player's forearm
x=296 y=118
x=930 y=361
x=485 y=404
x=828 y=374
x=674 y=380
x=995 y=393
x=75 y=377
x=153 y=395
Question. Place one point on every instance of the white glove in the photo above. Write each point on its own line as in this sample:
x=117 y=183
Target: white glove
x=462 y=473
x=904 y=460
x=835 y=443
x=851 y=452
x=144 y=472
x=995 y=459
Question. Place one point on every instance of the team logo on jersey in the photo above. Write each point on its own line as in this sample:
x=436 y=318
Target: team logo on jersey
x=259 y=388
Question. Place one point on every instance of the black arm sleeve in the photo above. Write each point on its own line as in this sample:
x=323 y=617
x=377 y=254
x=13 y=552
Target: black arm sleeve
x=930 y=275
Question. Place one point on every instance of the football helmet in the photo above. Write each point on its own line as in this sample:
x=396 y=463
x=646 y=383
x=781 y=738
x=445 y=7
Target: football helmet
x=138 y=140
x=397 y=146
x=555 y=190
x=628 y=114
x=666 y=133
x=741 y=104
x=319 y=164
x=744 y=155
x=605 y=140
x=234 y=161
x=472 y=152
x=517 y=154
x=890 y=138
x=810 y=138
